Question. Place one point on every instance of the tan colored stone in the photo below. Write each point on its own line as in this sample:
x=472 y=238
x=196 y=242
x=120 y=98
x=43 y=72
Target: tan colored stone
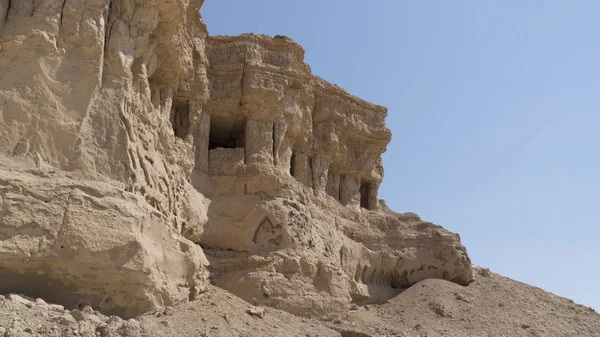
x=130 y=138
x=94 y=179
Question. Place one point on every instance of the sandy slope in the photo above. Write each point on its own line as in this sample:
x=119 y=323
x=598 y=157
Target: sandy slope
x=491 y=306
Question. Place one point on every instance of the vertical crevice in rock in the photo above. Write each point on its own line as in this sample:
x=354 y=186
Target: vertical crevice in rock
x=242 y=80
x=274 y=144
x=7 y=8
x=292 y=164
x=109 y=26
x=62 y=13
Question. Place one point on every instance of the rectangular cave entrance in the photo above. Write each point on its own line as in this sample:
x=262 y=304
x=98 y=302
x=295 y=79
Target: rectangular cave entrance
x=292 y=164
x=226 y=133
x=365 y=194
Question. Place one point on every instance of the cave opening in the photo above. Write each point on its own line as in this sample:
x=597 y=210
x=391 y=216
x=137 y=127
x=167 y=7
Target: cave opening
x=365 y=189
x=226 y=134
x=292 y=164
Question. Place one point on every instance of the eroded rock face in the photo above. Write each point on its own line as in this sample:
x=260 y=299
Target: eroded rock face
x=130 y=139
x=87 y=91
x=296 y=222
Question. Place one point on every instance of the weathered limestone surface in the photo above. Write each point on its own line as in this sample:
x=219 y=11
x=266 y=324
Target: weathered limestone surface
x=94 y=186
x=300 y=226
x=138 y=155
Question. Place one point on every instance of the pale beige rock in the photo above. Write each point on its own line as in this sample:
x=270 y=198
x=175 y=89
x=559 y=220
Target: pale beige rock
x=300 y=226
x=129 y=139
x=94 y=179
x=81 y=242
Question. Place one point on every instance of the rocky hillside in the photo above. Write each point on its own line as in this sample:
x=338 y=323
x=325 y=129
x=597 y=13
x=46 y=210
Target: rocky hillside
x=491 y=306
x=150 y=170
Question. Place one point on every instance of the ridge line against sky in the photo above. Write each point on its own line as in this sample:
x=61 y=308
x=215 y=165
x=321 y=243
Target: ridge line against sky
x=494 y=110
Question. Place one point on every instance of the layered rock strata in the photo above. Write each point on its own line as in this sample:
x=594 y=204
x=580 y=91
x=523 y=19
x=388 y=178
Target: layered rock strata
x=142 y=158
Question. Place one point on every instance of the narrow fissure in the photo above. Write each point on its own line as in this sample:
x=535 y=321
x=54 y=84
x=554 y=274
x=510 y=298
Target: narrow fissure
x=242 y=80
x=274 y=147
x=292 y=164
x=7 y=10
x=62 y=13
x=109 y=24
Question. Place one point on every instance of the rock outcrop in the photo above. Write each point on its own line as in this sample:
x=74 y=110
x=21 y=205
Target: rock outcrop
x=141 y=159
x=95 y=189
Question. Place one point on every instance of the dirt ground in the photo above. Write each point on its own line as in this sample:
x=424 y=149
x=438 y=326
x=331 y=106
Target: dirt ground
x=491 y=306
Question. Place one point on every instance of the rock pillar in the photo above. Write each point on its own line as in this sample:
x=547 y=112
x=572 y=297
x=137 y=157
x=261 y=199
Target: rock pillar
x=259 y=142
x=302 y=169
x=201 y=134
x=320 y=168
x=349 y=190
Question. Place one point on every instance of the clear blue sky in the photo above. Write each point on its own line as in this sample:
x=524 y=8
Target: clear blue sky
x=494 y=108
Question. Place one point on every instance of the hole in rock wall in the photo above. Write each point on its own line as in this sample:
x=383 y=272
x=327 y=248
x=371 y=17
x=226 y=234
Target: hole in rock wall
x=226 y=134
x=365 y=190
x=180 y=119
x=53 y=290
x=399 y=281
x=292 y=164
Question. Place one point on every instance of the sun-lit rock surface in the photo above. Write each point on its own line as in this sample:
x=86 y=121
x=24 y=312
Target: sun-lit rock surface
x=142 y=159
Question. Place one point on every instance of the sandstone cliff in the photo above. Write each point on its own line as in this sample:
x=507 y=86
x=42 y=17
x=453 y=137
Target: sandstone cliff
x=141 y=159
